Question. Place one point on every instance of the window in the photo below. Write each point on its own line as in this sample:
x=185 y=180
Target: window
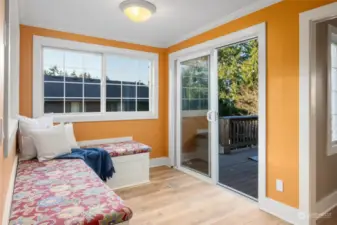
x=72 y=81
x=332 y=94
x=194 y=82
x=84 y=82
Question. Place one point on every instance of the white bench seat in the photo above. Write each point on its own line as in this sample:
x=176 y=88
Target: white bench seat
x=131 y=160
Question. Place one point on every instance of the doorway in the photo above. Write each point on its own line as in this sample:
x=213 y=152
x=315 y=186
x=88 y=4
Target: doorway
x=238 y=117
x=195 y=132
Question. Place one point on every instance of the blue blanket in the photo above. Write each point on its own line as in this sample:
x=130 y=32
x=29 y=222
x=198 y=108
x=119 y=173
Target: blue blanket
x=97 y=159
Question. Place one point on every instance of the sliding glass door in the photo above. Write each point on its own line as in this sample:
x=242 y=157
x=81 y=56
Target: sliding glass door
x=194 y=113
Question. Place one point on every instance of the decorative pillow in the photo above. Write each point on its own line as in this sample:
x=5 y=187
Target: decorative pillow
x=69 y=129
x=26 y=143
x=50 y=142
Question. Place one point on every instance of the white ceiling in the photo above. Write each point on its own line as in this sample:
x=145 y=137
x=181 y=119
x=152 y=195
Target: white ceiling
x=174 y=21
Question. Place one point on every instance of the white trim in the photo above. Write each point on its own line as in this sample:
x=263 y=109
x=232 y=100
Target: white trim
x=331 y=145
x=9 y=195
x=39 y=42
x=258 y=31
x=226 y=19
x=162 y=161
x=307 y=110
x=104 y=141
x=326 y=204
x=278 y=209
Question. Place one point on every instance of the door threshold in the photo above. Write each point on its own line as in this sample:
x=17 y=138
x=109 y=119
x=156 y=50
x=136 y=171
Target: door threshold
x=238 y=192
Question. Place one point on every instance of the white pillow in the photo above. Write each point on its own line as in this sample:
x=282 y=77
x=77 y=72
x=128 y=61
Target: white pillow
x=26 y=143
x=69 y=129
x=50 y=142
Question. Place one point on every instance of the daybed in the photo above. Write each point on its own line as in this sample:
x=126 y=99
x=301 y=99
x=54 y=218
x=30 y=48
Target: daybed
x=64 y=192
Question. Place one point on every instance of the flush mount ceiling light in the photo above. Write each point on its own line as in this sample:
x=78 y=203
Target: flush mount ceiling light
x=138 y=10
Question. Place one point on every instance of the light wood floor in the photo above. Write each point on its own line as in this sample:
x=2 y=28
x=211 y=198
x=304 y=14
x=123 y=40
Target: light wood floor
x=174 y=198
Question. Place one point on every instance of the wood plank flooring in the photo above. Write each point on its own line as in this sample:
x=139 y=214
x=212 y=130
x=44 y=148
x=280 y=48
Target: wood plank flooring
x=175 y=198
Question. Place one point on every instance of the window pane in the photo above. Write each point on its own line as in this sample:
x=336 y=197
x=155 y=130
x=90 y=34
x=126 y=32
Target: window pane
x=74 y=106
x=74 y=75
x=113 y=91
x=53 y=78
x=334 y=127
x=121 y=68
x=92 y=91
x=53 y=58
x=334 y=55
x=333 y=79
x=194 y=77
x=92 y=105
x=129 y=91
x=185 y=105
x=74 y=90
x=129 y=105
x=143 y=105
x=204 y=104
x=194 y=104
x=334 y=102
x=54 y=90
x=53 y=105
x=143 y=92
x=74 y=68
x=113 y=105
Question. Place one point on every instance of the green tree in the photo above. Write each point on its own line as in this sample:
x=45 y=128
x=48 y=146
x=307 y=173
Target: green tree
x=238 y=78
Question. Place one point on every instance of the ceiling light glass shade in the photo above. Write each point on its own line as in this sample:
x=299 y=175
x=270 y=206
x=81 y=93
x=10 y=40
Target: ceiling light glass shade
x=138 y=10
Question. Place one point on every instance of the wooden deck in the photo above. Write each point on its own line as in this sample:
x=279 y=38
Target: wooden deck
x=238 y=172
x=235 y=170
x=176 y=198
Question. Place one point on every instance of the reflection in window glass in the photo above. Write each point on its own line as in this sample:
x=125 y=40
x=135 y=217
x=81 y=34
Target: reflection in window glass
x=69 y=77
x=194 y=78
x=73 y=82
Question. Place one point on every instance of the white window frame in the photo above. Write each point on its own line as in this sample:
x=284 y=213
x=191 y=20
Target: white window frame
x=38 y=78
x=11 y=71
x=332 y=38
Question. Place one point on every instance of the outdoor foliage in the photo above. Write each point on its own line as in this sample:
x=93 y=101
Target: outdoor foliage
x=238 y=79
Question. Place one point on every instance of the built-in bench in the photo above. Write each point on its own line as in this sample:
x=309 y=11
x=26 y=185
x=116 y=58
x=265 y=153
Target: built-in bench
x=131 y=160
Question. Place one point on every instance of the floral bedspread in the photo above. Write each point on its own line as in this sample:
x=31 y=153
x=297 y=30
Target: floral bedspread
x=122 y=148
x=64 y=192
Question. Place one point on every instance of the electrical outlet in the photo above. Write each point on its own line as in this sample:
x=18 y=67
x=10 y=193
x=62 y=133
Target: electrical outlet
x=279 y=185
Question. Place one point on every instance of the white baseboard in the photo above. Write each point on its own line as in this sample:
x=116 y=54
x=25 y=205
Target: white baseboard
x=163 y=161
x=280 y=210
x=326 y=204
x=103 y=141
x=9 y=195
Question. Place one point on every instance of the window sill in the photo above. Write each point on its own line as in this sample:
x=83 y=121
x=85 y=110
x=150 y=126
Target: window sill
x=96 y=117
x=332 y=150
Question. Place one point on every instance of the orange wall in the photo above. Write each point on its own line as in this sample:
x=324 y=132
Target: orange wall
x=282 y=88
x=151 y=132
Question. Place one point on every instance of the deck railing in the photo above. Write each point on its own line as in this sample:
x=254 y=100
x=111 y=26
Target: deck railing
x=237 y=132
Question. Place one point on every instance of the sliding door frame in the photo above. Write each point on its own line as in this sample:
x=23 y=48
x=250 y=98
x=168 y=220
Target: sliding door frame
x=179 y=116
x=258 y=31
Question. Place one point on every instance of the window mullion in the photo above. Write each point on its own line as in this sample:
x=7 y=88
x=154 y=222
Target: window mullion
x=103 y=84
